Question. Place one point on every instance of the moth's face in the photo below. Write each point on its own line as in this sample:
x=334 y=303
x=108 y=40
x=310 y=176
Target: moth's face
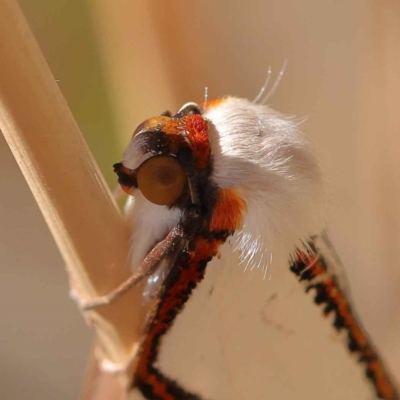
x=169 y=160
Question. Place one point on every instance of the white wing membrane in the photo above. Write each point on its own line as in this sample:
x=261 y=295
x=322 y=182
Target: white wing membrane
x=242 y=337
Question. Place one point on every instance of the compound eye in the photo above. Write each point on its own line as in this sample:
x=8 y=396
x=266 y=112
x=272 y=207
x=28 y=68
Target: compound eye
x=161 y=179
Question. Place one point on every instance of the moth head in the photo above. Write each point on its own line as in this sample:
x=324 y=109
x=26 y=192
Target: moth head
x=168 y=159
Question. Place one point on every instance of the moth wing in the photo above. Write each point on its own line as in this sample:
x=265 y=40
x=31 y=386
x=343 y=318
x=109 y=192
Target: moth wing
x=244 y=337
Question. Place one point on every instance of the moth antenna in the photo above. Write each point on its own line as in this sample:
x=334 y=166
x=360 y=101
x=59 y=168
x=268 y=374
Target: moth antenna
x=276 y=83
x=205 y=94
x=264 y=86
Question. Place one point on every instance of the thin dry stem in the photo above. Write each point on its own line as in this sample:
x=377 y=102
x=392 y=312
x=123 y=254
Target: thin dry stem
x=100 y=385
x=67 y=184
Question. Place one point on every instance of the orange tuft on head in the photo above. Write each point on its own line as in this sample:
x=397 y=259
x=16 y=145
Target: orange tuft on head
x=198 y=136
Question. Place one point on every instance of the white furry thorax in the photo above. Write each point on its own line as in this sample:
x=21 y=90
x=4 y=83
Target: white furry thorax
x=262 y=155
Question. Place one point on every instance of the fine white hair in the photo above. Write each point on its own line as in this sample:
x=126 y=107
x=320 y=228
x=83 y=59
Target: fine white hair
x=261 y=154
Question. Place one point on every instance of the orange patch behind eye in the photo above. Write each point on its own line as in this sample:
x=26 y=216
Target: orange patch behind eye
x=228 y=211
x=198 y=136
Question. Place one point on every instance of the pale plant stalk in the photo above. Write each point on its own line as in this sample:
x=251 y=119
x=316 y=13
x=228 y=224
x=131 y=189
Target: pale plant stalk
x=69 y=188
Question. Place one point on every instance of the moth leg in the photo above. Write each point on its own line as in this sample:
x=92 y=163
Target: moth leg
x=147 y=267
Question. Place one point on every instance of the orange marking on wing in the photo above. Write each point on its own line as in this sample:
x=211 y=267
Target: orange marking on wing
x=189 y=275
x=336 y=296
x=345 y=312
x=227 y=214
x=384 y=387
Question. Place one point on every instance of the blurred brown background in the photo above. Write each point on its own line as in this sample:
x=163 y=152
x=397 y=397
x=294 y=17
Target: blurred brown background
x=120 y=62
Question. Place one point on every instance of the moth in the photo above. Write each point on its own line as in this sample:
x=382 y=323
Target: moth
x=222 y=196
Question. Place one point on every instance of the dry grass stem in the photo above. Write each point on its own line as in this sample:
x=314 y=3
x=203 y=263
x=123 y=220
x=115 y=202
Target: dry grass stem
x=67 y=184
